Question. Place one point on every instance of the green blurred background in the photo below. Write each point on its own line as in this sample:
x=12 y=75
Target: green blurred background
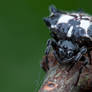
x=23 y=35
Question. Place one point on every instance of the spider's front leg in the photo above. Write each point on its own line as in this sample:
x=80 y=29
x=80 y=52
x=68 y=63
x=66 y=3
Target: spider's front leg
x=85 y=62
x=79 y=55
x=89 y=55
x=51 y=43
x=57 y=57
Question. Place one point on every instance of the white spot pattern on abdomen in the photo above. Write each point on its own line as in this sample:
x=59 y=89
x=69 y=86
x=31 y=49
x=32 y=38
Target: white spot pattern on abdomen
x=69 y=34
x=64 y=19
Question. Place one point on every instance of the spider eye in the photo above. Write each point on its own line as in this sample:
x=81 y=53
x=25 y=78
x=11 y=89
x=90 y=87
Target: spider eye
x=59 y=43
x=70 y=53
x=61 y=52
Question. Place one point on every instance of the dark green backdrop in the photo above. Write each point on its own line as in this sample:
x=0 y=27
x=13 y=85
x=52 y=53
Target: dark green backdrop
x=23 y=35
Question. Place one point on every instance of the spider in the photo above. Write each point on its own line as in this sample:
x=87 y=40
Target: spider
x=69 y=28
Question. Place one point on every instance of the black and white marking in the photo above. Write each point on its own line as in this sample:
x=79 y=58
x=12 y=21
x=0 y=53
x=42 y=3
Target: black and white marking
x=84 y=20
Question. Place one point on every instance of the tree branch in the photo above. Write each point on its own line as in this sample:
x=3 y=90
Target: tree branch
x=59 y=79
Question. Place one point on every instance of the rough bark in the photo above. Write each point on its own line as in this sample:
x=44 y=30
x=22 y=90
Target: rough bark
x=59 y=79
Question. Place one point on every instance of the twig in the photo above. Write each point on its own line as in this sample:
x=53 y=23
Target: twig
x=58 y=79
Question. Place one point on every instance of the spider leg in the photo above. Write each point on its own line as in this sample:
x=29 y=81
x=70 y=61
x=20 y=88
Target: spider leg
x=89 y=55
x=48 y=48
x=82 y=51
x=47 y=51
x=79 y=55
x=86 y=61
x=57 y=57
x=53 y=35
x=50 y=44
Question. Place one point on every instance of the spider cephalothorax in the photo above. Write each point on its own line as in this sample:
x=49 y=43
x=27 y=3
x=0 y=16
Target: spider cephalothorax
x=66 y=51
